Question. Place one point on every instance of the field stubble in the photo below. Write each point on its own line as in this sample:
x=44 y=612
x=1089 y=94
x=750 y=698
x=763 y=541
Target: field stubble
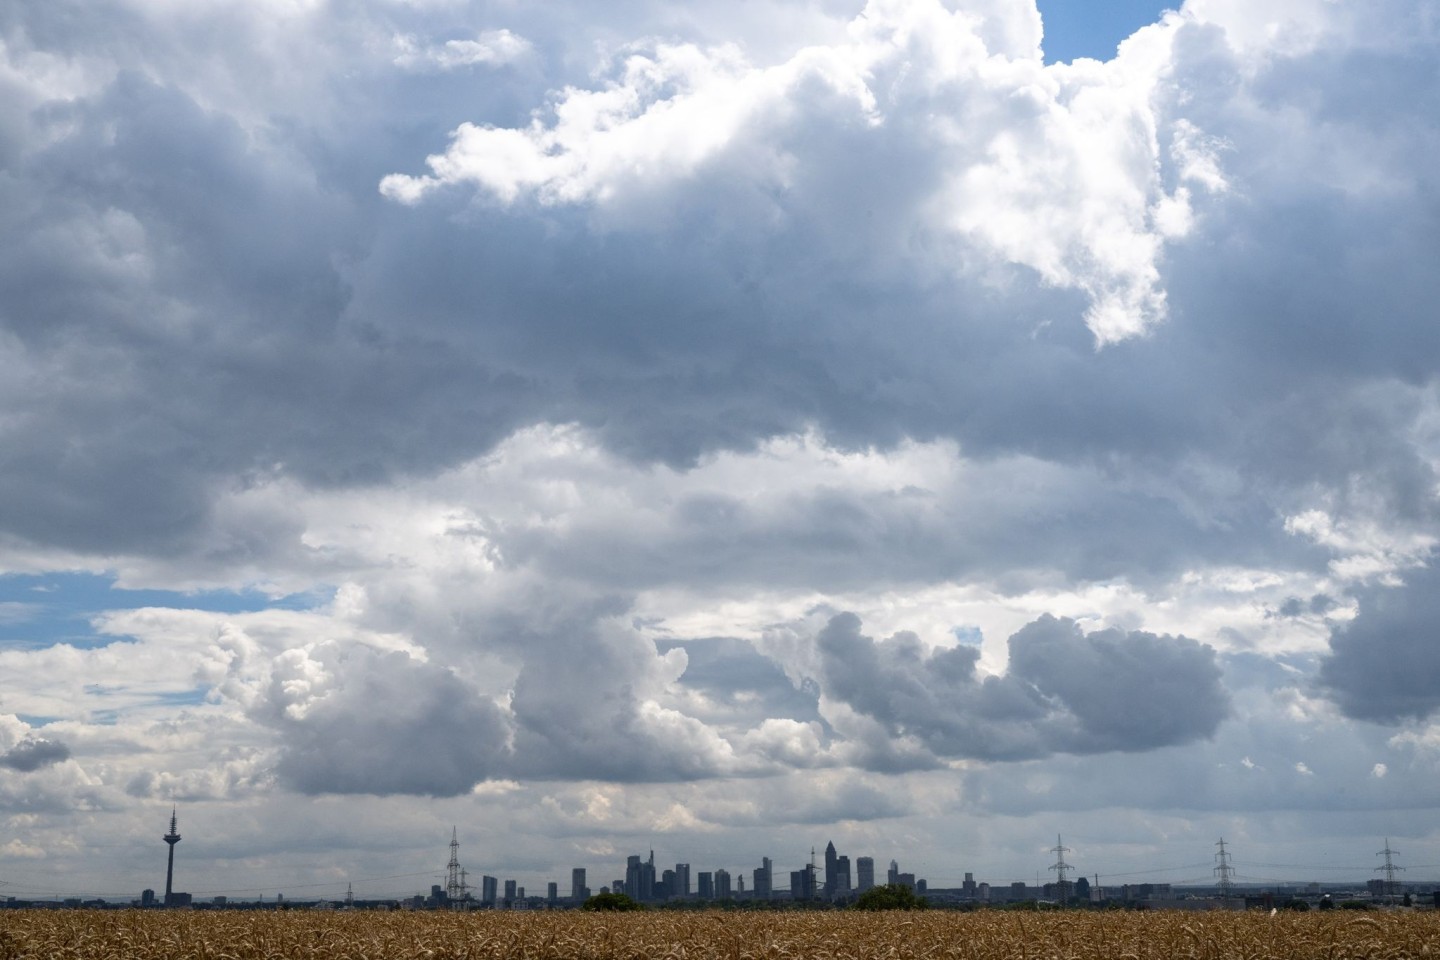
x=226 y=935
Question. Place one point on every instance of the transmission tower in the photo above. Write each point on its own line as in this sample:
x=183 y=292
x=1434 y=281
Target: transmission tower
x=1223 y=871
x=1389 y=870
x=1060 y=866
x=452 y=869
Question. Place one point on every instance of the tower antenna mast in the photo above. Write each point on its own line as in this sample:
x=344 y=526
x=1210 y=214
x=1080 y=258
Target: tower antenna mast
x=171 y=838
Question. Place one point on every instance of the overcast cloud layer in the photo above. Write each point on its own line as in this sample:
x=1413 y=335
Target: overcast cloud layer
x=714 y=424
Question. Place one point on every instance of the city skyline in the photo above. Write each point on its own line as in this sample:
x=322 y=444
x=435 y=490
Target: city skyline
x=951 y=429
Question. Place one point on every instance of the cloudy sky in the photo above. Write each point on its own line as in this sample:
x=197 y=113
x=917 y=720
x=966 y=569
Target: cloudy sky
x=931 y=425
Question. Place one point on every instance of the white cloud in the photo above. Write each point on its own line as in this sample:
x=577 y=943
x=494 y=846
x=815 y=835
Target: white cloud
x=490 y=48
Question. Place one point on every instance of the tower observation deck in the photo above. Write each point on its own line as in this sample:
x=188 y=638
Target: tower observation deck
x=171 y=838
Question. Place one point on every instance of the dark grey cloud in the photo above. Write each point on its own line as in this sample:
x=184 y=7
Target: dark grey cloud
x=1064 y=692
x=1384 y=665
x=33 y=753
x=196 y=306
x=744 y=685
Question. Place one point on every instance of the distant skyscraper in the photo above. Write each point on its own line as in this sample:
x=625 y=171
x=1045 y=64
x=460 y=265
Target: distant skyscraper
x=489 y=887
x=865 y=873
x=682 y=881
x=632 y=876
x=831 y=870
x=842 y=877
x=764 y=880
x=552 y=891
x=578 y=890
x=510 y=890
x=665 y=889
x=171 y=838
x=707 y=885
x=802 y=883
x=722 y=885
x=893 y=875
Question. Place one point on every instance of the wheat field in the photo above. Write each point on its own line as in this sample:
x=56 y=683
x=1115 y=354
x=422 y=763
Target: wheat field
x=234 y=935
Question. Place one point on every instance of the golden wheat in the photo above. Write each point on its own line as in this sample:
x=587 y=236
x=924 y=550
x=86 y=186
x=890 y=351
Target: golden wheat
x=293 y=935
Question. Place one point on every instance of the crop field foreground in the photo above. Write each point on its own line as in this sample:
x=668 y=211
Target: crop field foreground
x=222 y=935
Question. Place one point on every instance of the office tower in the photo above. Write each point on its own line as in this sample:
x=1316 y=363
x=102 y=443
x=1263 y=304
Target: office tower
x=632 y=876
x=647 y=878
x=171 y=838
x=722 y=884
x=578 y=890
x=893 y=874
x=831 y=870
x=842 y=877
x=520 y=893
x=968 y=887
x=707 y=885
x=682 y=881
x=552 y=891
x=865 y=873
x=665 y=889
x=764 y=886
x=147 y=898
x=510 y=890
x=489 y=886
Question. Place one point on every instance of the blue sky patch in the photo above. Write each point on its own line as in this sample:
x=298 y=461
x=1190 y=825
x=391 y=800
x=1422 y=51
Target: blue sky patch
x=1092 y=28
x=43 y=610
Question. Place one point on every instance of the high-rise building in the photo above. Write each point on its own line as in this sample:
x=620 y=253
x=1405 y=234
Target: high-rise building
x=632 y=876
x=578 y=890
x=510 y=890
x=722 y=884
x=802 y=883
x=842 y=878
x=665 y=888
x=707 y=885
x=682 y=881
x=552 y=891
x=893 y=874
x=831 y=870
x=489 y=887
x=764 y=880
x=864 y=873
x=147 y=898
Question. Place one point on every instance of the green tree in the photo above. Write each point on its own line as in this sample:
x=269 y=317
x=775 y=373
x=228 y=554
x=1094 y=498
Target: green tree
x=610 y=901
x=892 y=896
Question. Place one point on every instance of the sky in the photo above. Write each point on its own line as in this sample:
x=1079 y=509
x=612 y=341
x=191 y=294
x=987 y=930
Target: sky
x=721 y=428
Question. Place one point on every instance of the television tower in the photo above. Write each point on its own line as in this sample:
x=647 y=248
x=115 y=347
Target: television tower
x=1223 y=870
x=1389 y=870
x=452 y=870
x=1060 y=866
x=171 y=838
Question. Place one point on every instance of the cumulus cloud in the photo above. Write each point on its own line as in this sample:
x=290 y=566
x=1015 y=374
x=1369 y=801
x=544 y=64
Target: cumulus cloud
x=1053 y=170
x=358 y=720
x=1384 y=665
x=1065 y=691
x=33 y=753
